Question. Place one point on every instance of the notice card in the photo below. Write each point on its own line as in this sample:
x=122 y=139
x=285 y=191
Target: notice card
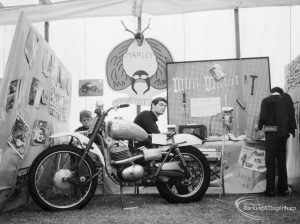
x=205 y=107
x=159 y=139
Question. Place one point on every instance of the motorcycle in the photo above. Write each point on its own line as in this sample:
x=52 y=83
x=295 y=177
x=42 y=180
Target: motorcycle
x=64 y=176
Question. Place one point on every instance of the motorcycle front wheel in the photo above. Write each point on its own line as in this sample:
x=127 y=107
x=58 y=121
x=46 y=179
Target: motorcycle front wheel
x=192 y=187
x=47 y=175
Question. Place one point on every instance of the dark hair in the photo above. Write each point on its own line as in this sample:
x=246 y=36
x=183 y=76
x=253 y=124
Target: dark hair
x=85 y=114
x=276 y=89
x=156 y=100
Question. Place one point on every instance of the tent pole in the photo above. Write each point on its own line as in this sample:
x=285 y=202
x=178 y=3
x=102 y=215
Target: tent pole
x=46 y=22
x=237 y=33
x=241 y=115
x=138 y=107
x=47 y=31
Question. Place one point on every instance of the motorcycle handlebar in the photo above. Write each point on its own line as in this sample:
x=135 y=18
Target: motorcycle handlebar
x=123 y=105
x=116 y=107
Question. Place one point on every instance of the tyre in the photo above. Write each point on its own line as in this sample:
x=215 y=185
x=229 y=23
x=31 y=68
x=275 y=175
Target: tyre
x=45 y=179
x=192 y=188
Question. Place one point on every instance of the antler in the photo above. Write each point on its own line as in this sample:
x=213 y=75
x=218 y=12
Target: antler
x=126 y=29
x=148 y=27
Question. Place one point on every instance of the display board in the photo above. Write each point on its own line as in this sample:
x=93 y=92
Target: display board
x=35 y=98
x=292 y=87
x=198 y=90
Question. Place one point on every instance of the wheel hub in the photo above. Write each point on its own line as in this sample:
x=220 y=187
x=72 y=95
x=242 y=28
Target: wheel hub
x=60 y=178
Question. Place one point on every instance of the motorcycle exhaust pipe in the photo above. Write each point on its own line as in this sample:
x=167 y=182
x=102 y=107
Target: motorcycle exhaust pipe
x=128 y=160
x=148 y=155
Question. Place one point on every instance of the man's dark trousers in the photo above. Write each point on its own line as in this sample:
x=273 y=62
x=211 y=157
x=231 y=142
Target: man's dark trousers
x=276 y=150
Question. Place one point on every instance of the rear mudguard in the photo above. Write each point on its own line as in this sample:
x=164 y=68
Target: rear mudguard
x=188 y=138
x=83 y=141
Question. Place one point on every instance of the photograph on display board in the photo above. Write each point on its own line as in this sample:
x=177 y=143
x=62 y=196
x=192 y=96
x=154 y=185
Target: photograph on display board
x=31 y=47
x=58 y=105
x=21 y=180
x=12 y=95
x=45 y=97
x=62 y=78
x=69 y=87
x=48 y=63
x=35 y=94
x=18 y=136
x=40 y=132
x=91 y=87
x=53 y=102
x=217 y=72
x=198 y=90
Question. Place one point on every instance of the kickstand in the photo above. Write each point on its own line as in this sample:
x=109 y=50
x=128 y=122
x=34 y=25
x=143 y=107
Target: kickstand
x=121 y=195
x=122 y=201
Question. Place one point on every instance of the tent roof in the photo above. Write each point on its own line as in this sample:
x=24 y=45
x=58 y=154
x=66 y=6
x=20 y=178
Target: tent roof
x=49 y=10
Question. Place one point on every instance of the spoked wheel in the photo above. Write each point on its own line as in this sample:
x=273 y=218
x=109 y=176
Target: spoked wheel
x=192 y=187
x=49 y=177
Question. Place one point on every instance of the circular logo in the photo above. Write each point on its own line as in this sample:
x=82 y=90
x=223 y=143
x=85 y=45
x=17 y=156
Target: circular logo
x=250 y=207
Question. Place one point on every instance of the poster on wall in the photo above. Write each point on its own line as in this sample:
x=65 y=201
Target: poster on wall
x=198 y=90
x=253 y=159
x=91 y=87
x=137 y=67
x=292 y=75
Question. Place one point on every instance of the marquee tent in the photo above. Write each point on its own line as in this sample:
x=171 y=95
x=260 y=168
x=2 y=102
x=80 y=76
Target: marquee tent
x=68 y=9
x=83 y=33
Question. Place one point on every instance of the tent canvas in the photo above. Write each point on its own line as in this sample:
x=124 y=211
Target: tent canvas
x=105 y=8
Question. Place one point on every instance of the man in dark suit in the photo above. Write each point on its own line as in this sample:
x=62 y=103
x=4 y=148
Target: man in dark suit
x=147 y=119
x=277 y=119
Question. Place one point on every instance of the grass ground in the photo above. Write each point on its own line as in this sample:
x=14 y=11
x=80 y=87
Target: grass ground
x=154 y=209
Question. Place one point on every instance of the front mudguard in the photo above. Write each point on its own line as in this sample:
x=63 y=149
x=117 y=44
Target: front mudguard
x=83 y=140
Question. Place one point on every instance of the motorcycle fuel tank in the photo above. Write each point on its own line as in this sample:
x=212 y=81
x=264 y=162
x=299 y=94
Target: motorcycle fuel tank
x=120 y=129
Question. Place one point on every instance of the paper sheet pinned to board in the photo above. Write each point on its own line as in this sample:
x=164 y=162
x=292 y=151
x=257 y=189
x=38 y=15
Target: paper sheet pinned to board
x=205 y=107
x=159 y=139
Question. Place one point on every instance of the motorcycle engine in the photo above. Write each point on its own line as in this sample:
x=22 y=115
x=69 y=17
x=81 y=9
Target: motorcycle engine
x=119 y=152
x=127 y=171
x=131 y=172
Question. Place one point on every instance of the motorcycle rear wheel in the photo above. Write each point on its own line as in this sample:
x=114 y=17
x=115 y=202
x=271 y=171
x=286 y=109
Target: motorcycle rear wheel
x=45 y=179
x=185 y=190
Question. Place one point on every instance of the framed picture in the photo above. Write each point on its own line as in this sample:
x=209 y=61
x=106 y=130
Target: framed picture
x=91 y=87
